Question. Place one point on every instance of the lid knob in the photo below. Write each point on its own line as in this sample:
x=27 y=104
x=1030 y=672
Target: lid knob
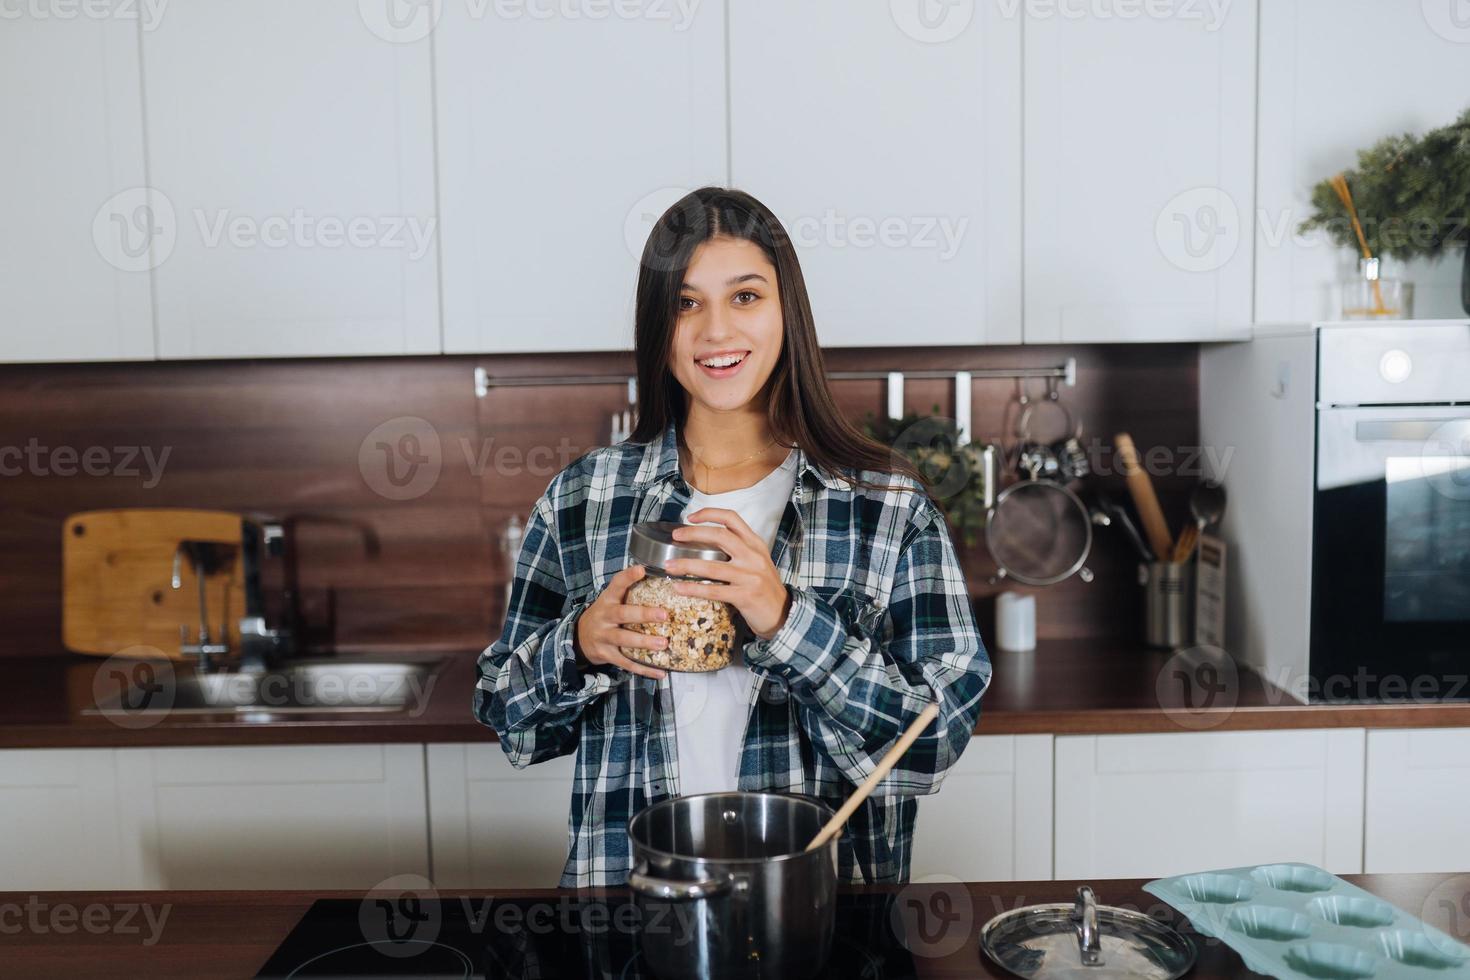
x=1089 y=943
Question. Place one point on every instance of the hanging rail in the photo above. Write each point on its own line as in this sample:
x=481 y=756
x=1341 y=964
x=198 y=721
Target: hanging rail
x=484 y=381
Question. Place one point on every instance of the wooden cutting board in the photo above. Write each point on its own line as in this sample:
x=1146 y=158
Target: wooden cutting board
x=117 y=570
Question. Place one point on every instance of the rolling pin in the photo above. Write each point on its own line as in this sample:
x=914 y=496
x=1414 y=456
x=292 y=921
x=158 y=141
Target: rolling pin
x=1142 y=490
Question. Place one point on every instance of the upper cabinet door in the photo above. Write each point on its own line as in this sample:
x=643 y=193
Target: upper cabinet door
x=291 y=148
x=74 y=250
x=887 y=138
x=1139 y=156
x=563 y=132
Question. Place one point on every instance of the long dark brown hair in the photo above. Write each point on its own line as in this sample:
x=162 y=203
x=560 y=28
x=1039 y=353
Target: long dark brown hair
x=799 y=406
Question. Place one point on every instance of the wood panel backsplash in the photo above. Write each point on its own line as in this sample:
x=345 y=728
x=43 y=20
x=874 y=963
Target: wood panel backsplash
x=398 y=481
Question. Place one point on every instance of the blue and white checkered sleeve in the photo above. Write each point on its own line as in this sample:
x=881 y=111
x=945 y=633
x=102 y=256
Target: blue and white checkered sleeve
x=530 y=689
x=857 y=693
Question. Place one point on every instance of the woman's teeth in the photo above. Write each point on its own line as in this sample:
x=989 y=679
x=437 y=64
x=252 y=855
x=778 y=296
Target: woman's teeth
x=723 y=360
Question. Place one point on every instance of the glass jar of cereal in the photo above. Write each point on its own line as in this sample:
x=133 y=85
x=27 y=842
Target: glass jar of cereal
x=701 y=632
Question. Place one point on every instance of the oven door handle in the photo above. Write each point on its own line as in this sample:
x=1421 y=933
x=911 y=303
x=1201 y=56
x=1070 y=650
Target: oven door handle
x=1404 y=430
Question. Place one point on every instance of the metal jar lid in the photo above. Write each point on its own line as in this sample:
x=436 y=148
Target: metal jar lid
x=1084 y=939
x=652 y=543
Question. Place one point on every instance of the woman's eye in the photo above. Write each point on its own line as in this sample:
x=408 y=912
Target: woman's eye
x=746 y=297
x=687 y=303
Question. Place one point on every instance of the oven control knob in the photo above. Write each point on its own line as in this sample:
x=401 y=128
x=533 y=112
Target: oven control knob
x=1395 y=366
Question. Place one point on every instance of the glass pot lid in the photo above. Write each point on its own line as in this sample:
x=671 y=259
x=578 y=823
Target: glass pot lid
x=1086 y=941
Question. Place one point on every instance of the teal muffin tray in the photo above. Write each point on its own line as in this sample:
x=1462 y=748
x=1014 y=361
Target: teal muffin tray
x=1295 y=921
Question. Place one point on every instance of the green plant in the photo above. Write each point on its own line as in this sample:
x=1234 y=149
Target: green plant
x=954 y=473
x=1412 y=195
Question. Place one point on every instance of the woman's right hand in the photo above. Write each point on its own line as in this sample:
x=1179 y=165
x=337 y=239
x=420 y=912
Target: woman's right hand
x=601 y=627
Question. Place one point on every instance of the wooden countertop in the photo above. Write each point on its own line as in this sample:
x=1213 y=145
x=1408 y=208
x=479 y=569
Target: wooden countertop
x=1067 y=687
x=201 y=935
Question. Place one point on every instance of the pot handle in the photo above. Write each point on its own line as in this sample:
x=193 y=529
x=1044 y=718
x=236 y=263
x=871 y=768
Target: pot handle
x=668 y=890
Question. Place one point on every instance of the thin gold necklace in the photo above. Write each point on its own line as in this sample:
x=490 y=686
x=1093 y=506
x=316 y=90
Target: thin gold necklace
x=725 y=466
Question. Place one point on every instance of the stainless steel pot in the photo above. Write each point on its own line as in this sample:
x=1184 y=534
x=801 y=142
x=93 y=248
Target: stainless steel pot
x=726 y=889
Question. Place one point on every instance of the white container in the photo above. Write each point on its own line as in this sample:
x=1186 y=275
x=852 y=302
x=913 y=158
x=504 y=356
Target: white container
x=1015 y=622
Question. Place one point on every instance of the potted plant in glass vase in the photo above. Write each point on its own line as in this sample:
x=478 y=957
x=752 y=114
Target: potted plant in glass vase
x=1408 y=198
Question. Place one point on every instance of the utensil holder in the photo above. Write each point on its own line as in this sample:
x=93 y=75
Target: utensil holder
x=1167 y=602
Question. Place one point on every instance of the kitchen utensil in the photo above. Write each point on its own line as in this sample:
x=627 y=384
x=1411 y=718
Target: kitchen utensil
x=127 y=583
x=1119 y=515
x=1166 y=603
x=1040 y=533
x=1015 y=622
x=1207 y=504
x=989 y=474
x=1085 y=939
x=1296 y=921
x=1073 y=458
x=1061 y=458
x=1340 y=186
x=1184 y=546
x=759 y=907
x=727 y=888
x=1144 y=498
x=889 y=760
x=1038 y=461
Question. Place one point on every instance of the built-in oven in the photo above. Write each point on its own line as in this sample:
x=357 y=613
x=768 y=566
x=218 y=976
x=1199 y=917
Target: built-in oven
x=1391 y=516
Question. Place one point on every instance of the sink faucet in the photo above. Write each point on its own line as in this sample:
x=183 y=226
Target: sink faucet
x=205 y=649
x=258 y=644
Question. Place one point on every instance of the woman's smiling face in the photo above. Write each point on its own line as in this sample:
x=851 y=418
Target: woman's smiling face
x=730 y=330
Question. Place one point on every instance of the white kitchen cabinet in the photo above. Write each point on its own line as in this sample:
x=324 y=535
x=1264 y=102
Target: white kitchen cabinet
x=1139 y=150
x=74 y=253
x=1152 y=805
x=277 y=816
x=495 y=826
x=560 y=139
x=889 y=145
x=991 y=819
x=1417 y=800
x=1314 y=117
x=57 y=806
x=291 y=154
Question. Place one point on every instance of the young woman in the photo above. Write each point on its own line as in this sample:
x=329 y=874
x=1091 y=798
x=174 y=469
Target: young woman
x=841 y=567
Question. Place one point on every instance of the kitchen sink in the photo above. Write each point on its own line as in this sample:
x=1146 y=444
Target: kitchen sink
x=296 y=687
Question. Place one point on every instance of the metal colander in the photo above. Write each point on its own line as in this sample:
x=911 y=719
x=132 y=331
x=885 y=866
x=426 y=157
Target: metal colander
x=1039 y=533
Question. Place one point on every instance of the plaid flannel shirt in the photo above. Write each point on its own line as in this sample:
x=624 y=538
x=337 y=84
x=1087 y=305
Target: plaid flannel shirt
x=880 y=625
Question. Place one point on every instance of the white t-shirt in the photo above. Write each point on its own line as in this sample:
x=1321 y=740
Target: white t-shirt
x=710 y=708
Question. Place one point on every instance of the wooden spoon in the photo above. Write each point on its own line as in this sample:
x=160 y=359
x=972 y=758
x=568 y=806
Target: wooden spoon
x=886 y=763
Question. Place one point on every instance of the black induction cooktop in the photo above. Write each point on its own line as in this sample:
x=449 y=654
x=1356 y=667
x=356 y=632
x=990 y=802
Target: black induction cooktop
x=525 y=938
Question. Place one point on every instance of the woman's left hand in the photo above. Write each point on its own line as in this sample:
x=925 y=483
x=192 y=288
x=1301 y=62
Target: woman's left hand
x=755 y=588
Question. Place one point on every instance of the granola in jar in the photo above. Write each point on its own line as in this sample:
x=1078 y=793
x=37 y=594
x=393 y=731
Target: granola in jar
x=702 y=633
